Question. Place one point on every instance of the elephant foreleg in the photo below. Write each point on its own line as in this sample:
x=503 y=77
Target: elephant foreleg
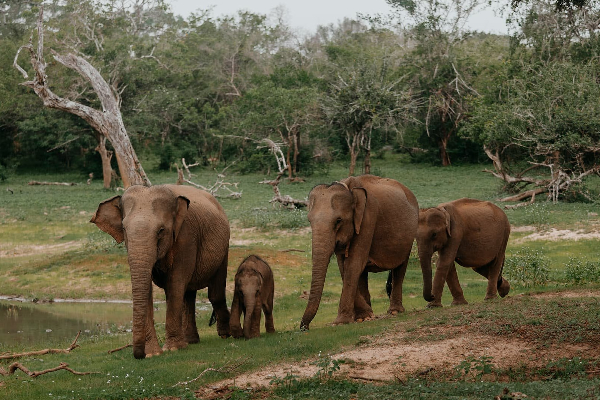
x=454 y=286
x=189 y=320
x=175 y=293
x=362 y=303
x=152 y=347
x=268 y=310
x=398 y=274
x=216 y=296
x=445 y=263
x=255 y=320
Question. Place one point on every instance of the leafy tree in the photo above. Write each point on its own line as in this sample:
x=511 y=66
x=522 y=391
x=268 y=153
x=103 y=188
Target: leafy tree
x=437 y=29
x=365 y=100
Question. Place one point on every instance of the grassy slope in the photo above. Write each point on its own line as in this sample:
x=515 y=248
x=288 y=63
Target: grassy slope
x=96 y=267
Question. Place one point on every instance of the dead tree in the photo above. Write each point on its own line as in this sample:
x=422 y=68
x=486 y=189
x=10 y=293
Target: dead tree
x=219 y=186
x=558 y=181
x=285 y=200
x=108 y=121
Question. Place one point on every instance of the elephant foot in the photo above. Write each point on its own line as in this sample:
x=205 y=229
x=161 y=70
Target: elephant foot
x=504 y=288
x=434 y=304
x=364 y=316
x=236 y=332
x=490 y=297
x=192 y=339
x=174 y=345
x=152 y=348
x=459 y=302
x=396 y=310
x=341 y=320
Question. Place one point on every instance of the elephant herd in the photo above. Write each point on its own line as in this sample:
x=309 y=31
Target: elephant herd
x=178 y=238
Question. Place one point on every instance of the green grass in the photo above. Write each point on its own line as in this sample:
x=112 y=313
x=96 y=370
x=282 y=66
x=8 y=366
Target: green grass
x=38 y=221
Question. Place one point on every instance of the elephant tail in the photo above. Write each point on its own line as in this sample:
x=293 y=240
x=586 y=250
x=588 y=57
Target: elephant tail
x=388 y=284
x=213 y=319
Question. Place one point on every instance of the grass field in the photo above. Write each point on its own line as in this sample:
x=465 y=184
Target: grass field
x=49 y=250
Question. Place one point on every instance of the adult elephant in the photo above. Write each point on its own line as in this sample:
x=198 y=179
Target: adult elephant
x=178 y=237
x=472 y=233
x=370 y=224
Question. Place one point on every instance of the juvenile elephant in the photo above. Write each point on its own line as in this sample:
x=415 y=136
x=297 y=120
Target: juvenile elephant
x=370 y=224
x=254 y=290
x=471 y=232
x=178 y=237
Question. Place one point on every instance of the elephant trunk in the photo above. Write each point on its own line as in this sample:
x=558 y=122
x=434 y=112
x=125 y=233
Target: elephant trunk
x=140 y=265
x=425 y=259
x=249 y=304
x=321 y=254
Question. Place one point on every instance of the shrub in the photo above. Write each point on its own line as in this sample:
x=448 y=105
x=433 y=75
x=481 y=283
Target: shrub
x=527 y=267
x=579 y=271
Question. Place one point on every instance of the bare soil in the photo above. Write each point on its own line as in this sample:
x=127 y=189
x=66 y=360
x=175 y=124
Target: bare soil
x=399 y=355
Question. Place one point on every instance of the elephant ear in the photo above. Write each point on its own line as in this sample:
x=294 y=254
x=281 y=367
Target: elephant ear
x=359 y=195
x=183 y=204
x=109 y=218
x=447 y=216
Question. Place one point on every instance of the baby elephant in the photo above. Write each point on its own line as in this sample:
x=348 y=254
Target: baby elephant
x=254 y=289
x=472 y=233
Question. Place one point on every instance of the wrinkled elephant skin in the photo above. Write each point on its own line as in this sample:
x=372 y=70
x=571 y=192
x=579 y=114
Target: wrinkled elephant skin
x=254 y=291
x=470 y=232
x=370 y=224
x=178 y=238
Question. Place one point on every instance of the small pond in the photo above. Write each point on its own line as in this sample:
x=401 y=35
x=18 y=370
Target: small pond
x=28 y=323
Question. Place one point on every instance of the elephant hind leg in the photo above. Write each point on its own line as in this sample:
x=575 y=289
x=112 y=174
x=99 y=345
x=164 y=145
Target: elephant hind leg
x=268 y=310
x=190 y=330
x=396 y=294
x=216 y=296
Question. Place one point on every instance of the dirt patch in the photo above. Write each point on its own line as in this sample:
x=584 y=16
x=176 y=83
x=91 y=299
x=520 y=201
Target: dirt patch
x=567 y=294
x=32 y=249
x=555 y=235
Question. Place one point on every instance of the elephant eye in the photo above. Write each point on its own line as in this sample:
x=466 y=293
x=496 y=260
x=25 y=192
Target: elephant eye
x=338 y=221
x=161 y=230
x=434 y=235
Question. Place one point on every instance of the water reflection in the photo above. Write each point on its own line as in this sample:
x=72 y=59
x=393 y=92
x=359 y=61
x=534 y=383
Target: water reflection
x=31 y=323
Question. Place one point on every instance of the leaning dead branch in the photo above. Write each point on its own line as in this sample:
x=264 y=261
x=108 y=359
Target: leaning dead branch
x=558 y=182
x=34 y=183
x=120 y=348
x=215 y=189
x=226 y=369
x=72 y=347
x=286 y=201
x=12 y=368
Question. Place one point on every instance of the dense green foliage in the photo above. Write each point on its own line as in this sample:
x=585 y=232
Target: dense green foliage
x=211 y=89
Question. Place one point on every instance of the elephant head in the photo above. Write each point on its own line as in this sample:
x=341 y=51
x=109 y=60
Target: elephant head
x=249 y=282
x=148 y=219
x=335 y=214
x=433 y=233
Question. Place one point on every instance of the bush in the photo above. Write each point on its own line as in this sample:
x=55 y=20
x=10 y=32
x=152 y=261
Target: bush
x=577 y=271
x=528 y=268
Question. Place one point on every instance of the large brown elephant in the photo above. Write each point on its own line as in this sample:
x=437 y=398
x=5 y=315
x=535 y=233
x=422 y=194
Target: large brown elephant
x=178 y=237
x=370 y=224
x=472 y=233
x=254 y=291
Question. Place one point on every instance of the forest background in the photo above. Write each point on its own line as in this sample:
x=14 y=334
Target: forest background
x=211 y=89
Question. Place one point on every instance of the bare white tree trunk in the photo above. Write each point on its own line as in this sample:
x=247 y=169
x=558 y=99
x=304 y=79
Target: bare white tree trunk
x=107 y=122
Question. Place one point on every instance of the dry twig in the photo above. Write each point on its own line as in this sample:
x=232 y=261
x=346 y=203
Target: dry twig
x=34 y=374
x=225 y=369
x=120 y=348
x=73 y=346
